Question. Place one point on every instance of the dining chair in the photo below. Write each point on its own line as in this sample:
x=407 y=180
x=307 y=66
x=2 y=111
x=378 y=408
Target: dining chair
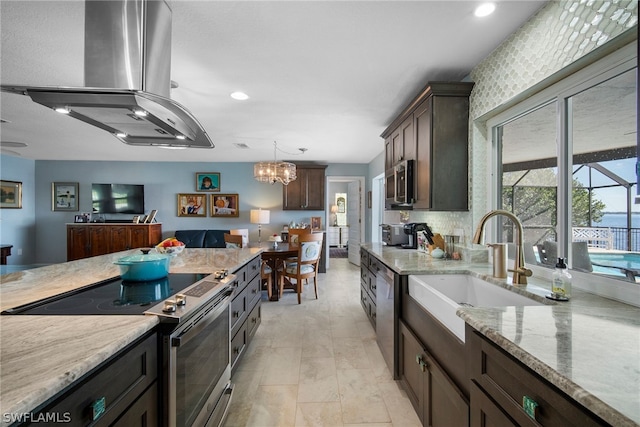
x=244 y=232
x=305 y=265
x=233 y=241
x=295 y=233
x=265 y=277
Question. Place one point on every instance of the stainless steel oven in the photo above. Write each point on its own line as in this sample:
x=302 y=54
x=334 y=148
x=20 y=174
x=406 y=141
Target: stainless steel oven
x=196 y=353
x=194 y=314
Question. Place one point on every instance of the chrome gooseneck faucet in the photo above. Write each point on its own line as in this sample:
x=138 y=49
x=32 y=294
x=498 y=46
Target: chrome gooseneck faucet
x=520 y=273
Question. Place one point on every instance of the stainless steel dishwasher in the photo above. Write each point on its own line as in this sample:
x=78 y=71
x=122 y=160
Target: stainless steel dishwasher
x=385 y=309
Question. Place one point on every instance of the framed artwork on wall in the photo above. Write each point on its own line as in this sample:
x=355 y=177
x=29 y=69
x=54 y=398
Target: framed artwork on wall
x=10 y=194
x=316 y=222
x=225 y=205
x=192 y=205
x=208 y=181
x=64 y=196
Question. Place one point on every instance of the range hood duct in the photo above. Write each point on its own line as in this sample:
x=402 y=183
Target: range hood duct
x=127 y=64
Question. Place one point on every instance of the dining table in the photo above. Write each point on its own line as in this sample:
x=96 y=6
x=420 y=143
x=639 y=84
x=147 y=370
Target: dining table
x=272 y=254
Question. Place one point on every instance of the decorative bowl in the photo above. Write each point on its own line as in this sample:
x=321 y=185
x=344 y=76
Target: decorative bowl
x=170 y=250
x=170 y=246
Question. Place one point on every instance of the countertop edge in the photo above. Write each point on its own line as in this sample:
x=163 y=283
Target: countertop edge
x=29 y=397
x=566 y=385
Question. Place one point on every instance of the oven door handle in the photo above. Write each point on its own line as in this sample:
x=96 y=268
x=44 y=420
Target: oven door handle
x=184 y=335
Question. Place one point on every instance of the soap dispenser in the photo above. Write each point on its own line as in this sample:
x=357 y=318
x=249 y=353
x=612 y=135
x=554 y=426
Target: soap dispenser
x=561 y=282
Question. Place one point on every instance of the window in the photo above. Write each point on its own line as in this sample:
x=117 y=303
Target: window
x=566 y=161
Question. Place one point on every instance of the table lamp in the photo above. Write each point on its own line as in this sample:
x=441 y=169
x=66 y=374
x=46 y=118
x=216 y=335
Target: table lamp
x=334 y=213
x=259 y=216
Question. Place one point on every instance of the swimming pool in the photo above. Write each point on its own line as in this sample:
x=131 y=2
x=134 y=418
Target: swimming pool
x=626 y=260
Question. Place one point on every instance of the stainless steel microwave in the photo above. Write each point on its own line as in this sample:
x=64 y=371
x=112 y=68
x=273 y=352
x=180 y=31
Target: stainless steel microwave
x=399 y=185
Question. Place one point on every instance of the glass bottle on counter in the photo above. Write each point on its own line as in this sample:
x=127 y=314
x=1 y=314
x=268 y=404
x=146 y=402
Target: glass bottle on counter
x=560 y=282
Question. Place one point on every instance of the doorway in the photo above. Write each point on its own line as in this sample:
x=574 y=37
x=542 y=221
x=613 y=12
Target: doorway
x=344 y=217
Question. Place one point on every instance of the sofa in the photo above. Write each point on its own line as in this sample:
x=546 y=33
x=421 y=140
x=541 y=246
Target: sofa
x=202 y=238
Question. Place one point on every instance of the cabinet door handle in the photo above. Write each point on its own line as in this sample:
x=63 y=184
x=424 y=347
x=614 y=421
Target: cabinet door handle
x=530 y=406
x=423 y=364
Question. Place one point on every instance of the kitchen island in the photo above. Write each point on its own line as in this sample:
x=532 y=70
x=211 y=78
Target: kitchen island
x=589 y=347
x=40 y=356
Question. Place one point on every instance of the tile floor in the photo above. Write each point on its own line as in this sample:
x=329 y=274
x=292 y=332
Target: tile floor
x=317 y=363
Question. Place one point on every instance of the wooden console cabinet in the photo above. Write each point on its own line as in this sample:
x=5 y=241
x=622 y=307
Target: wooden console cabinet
x=87 y=240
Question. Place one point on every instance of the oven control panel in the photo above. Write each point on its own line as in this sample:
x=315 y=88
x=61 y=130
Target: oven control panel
x=180 y=306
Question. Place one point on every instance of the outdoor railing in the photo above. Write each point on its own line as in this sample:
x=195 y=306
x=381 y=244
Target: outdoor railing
x=626 y=239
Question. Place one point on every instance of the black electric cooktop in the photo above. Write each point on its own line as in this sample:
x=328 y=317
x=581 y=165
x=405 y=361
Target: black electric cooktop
x=112 y=296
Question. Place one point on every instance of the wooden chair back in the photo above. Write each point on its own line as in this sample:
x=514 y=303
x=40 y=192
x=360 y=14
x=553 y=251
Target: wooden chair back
x=295 y=233
x=233 y=240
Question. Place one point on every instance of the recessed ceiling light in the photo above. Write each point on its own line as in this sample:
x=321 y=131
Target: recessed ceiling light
x=140 y=113
x=181 y=137
x=240 y=96
x=121 y=135
x=485 y=9
x=62 y=110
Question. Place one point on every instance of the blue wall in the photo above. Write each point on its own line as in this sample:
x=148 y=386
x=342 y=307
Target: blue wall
x=42 y=232
x=18 y=226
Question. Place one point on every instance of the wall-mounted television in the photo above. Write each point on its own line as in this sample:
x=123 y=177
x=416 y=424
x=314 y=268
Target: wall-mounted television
x=117 y=198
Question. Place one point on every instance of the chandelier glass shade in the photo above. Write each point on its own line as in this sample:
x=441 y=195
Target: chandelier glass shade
x=275 y=171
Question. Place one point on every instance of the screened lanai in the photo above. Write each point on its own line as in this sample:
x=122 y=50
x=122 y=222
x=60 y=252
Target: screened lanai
x=573 y=159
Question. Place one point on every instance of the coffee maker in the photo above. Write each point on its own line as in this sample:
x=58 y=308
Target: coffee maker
x=412 y=229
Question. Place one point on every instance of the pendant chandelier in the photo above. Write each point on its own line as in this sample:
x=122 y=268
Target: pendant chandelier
x=275 y=171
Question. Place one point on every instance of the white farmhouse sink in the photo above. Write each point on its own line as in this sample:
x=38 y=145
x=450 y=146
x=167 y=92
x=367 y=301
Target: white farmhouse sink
x=443 y=294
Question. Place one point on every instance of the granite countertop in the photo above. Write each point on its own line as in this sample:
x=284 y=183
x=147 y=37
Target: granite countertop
x=42 y=355
x=588 y=347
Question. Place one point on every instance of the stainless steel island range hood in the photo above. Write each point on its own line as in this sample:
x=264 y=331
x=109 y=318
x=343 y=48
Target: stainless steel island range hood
x=127 y=62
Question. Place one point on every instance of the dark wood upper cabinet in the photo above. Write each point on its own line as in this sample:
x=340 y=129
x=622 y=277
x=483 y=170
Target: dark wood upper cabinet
x=306 y=193
x=433 y=130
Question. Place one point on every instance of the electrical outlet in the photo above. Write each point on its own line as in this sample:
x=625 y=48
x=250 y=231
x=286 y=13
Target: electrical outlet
x=20 y=251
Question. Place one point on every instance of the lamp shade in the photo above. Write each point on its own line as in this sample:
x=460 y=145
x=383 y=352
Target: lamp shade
x=259 y=216
x=334 y=209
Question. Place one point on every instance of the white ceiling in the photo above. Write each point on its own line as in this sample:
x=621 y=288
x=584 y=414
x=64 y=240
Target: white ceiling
x=328 y=76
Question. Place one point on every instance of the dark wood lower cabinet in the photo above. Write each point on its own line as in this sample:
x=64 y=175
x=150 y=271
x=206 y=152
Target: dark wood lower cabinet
x=246 y=312
x=500 y=383
x=123 y=391
x=485 y=412
x=435 y=397
x=143 y=412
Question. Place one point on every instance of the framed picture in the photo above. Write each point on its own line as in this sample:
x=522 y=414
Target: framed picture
x=149 y=218
x=316 y=222
x=208 y=181
x=342 y=204
x=10 y=194
x=225 y=205
x=64 y=196
x=192 y=205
